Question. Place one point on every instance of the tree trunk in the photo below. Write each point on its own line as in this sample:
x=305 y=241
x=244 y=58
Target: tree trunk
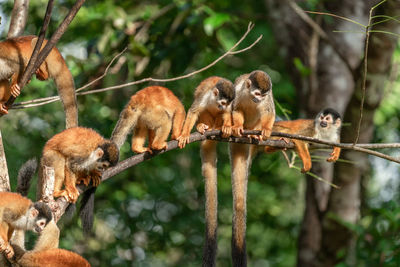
x=335 y=73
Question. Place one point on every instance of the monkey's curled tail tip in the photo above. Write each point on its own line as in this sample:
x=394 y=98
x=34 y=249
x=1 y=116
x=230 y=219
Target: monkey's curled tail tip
x=25 y=175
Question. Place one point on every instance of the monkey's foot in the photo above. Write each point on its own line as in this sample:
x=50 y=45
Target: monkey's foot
x=69 y=196
x=334 y=157
x=201 y=127
x=306 y=168
x=159 y=146
x=226 y=131
x=3 y=109
x=237 y=131
x=6 y=249
x=141 y=150
x=15 y=90
x=183 y=140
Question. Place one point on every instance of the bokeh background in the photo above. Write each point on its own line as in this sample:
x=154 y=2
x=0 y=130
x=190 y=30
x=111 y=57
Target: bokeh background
x=153 y=213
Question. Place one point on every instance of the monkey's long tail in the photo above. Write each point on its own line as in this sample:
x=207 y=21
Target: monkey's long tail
x=86 y=210
x=240 y=159
x=209 y=169
x=66 y=90
x=25 y=175
x=127 y=121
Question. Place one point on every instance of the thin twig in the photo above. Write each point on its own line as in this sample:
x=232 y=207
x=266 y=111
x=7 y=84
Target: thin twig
x=150 y=79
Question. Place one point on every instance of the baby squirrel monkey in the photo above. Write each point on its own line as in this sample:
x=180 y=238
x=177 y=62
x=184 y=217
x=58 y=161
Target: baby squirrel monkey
x=253 y=109
x=326 y=126
x=46 y=252
x=151 y=112
x=14 y=57
x=19 y=213
x=76 y=153
x=211 y=109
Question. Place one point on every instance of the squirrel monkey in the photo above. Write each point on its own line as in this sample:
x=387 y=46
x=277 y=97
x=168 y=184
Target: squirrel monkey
x=76 y=153
x=46 y=252
x=151 y=112
x=19 y=213
x=326 y=126
x=253 y=109
x=14 y=57
x=211 y=109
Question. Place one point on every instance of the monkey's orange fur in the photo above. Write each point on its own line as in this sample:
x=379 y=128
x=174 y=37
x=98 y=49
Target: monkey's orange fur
x=14 y=57
x=71 y=144
x=304 y=127
x=207 y=117
x=53 y=258
x=151 y=112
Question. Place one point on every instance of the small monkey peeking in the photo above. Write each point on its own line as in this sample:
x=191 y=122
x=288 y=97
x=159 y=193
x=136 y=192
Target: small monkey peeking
x=326 y=126
x=19 y=213
x=152 y=112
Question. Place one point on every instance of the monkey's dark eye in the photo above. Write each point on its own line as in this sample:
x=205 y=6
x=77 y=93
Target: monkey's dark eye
x=223 y=102
x=257 y=93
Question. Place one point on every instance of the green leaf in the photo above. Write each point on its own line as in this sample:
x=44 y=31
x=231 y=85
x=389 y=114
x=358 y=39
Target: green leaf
x=215 y=21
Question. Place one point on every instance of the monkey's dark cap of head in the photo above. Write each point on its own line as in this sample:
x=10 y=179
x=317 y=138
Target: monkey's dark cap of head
x=44 y=211
x=261 y=80
x=335 y=115
x=111 y=153
x=225 y=88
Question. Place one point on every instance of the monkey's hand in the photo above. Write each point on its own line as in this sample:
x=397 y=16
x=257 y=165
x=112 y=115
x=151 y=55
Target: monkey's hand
x=15 y=90
x=237 y=131
x=183 y=140
x=201 y=127
x=3 y=109
x=6 y=249
x=96 y=178
x=265 y=134
x=226 y=131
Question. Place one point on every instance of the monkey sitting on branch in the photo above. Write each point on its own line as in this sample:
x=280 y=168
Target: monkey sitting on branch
x=326 y=126
x=211 y=109
x=14 y=57
x=152 y=112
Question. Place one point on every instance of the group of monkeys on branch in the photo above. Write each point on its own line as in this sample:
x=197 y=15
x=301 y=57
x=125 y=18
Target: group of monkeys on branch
x=80 y=155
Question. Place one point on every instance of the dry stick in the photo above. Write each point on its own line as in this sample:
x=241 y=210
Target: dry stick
x=48 y=47
x=212 y=135
x=18 y=19
x=149 y=79
x=50 y=99
x=4 y=178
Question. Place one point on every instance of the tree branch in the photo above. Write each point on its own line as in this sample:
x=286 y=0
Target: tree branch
x=19 y=16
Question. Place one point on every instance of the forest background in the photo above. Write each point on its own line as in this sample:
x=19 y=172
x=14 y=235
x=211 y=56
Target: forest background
x=153 y=213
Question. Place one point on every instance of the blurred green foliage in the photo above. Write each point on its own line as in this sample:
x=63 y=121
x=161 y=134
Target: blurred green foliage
x=153 y=213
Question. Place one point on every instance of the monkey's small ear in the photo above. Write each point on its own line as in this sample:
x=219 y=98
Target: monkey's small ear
x=248 y=83
x=215 y=91
x=99 y=152
x=34 y=212
x=338 y=122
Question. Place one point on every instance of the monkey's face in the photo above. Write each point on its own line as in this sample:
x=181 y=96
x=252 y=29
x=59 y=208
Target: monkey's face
x=35 y=221
x=257 y=95
x=328 y=122
x=101 y=165
x=259 y=84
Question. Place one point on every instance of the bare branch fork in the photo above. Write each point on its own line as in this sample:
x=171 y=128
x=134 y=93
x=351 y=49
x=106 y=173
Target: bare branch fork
x=46 y=100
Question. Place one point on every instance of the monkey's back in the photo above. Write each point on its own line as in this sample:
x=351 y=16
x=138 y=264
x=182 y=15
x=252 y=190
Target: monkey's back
x=14 y=202
x=74 y=142
x=155 y=97
x=53 y=258
x=303 y=127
